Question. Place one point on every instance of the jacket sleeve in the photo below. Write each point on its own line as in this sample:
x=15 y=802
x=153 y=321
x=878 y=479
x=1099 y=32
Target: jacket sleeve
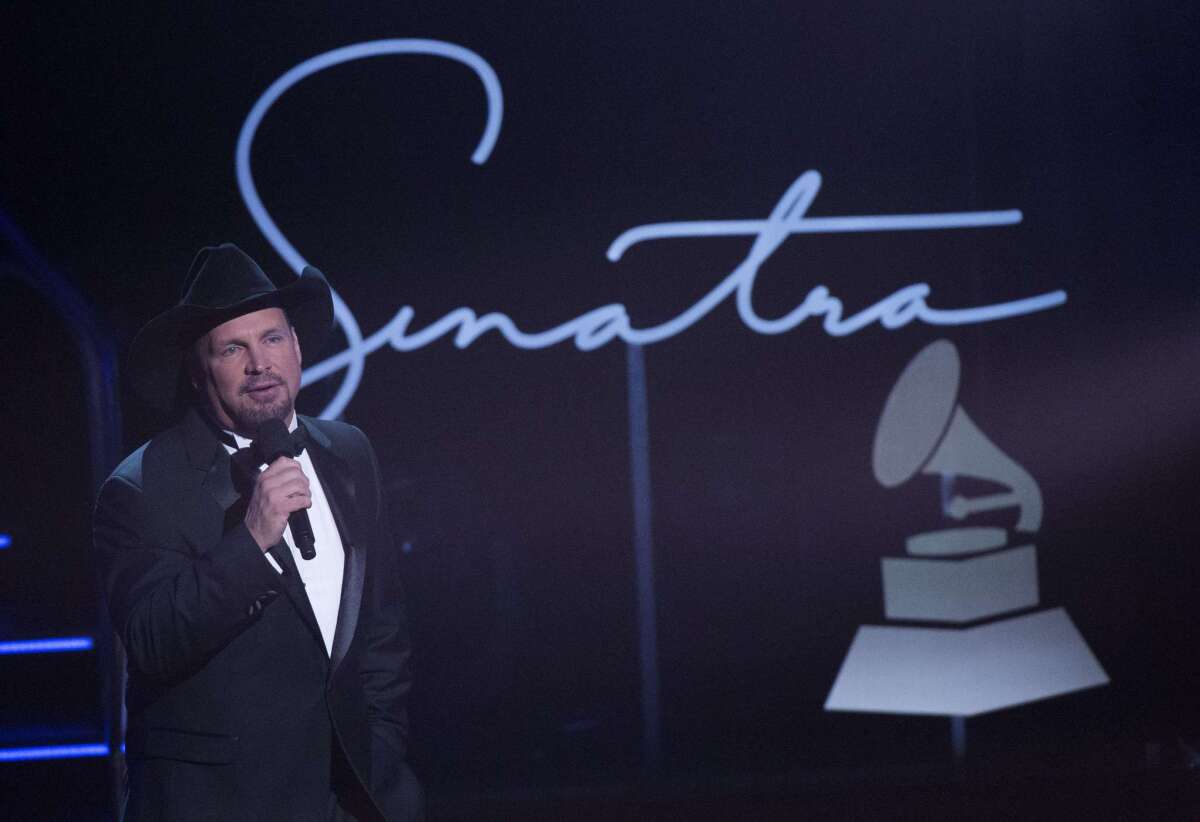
x=173 y=608
x=385 y=672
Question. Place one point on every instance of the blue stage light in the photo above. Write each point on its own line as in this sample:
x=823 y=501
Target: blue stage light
x=52 y=752
x=47 y=646
x=5 y=541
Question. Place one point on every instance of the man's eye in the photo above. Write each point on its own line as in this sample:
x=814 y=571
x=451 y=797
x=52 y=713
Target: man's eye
x=229 y=350
x=274 y=338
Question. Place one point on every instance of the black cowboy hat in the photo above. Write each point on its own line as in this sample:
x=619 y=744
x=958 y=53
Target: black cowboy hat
x=222 y=283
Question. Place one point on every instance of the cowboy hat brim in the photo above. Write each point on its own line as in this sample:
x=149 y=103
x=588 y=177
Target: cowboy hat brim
x=157 y=357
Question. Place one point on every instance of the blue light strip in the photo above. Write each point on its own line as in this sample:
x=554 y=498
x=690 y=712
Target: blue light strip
x=52 y=752
x=643 y=551
x=47 y=646
x=5 y=541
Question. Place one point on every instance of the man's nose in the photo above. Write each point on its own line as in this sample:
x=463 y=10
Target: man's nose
x=256 y=360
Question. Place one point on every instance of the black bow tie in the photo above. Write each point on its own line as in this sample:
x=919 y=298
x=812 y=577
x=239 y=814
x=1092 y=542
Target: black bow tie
x=250 y=458
x=298 y=440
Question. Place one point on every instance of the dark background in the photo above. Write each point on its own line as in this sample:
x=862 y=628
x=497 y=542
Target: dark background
x=509 y=470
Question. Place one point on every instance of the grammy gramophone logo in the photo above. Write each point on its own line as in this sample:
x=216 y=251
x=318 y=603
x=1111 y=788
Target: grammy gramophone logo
x=958 y=575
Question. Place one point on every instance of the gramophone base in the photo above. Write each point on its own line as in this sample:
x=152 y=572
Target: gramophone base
x=964 y=672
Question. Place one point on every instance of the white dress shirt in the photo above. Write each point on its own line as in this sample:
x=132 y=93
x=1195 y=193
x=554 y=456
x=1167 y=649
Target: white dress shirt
x=321 y=575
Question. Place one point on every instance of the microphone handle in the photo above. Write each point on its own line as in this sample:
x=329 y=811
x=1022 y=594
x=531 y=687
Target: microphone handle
x=302 y=533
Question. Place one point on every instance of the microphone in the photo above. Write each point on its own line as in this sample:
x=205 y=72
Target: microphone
x=272 y=442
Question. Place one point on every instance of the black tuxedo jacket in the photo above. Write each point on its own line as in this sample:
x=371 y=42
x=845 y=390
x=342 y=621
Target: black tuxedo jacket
x=236 y=711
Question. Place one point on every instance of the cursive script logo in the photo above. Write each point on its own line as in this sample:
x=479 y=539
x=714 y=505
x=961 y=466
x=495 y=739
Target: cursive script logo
x=610 y=322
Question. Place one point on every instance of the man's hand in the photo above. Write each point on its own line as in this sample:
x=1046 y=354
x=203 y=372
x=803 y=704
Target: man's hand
x=278 y=491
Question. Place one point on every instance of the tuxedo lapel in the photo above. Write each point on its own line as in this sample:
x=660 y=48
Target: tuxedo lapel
x=337 y=479
x=207 y=455
x=293 y=586
x=218 y=477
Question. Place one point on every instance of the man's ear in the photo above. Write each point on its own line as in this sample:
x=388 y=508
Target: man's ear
x=296 y=345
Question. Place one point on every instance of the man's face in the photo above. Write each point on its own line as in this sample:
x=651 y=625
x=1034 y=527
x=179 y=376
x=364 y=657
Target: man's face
x=248 y=370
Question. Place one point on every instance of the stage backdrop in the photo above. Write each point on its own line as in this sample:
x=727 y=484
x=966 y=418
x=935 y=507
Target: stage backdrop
x=779 y=388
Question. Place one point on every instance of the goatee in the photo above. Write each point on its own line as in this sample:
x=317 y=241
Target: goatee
x=248 y=413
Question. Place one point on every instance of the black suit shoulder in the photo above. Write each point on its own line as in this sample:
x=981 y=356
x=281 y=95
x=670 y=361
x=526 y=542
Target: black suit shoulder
x=147 y=463
x=340 y=434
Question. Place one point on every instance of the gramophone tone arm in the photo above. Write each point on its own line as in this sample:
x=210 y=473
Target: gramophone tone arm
x=961 y=507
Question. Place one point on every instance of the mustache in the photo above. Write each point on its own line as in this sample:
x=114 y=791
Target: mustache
x=254 y=385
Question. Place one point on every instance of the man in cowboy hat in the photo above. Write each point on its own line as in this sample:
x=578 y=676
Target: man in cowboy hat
x=262 y=685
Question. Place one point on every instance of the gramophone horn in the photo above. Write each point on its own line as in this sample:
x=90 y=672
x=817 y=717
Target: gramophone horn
x=916 y=414
x=923 y=428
